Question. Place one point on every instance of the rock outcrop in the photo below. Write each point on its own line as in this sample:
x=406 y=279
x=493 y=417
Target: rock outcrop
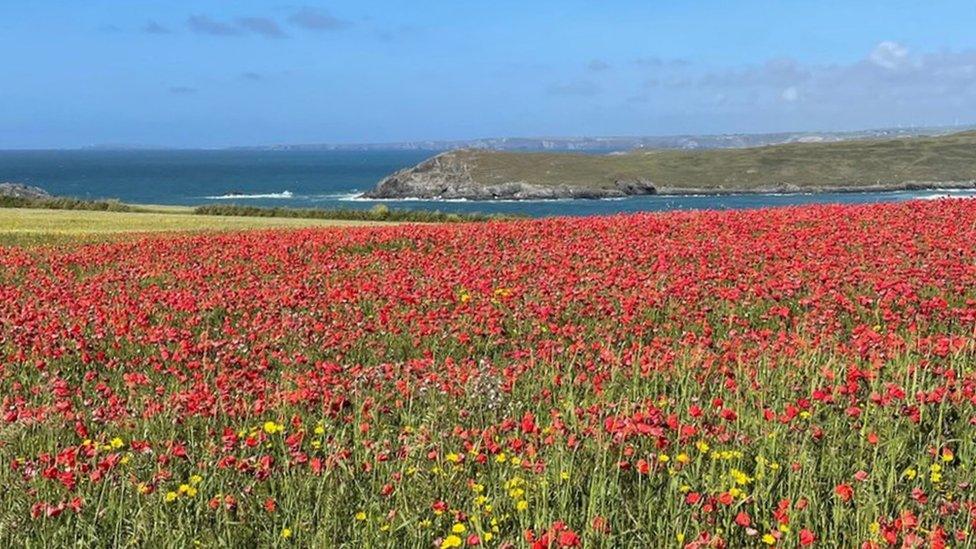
x=18 y=190
x=448 y=176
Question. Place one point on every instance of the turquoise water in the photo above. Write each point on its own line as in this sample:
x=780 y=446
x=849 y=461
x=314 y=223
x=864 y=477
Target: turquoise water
x=322 y=179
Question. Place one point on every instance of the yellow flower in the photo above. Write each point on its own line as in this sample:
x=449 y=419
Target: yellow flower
x=196 y=479
x=702 y=446
x=735 y=492
x=271 y=427
x=680 y=537
x=477 y=488
x=116 y=443
x=458 y=528
x=910 y=473
x=564 y=475
x=740 y=478
x=515 y=461
x=319 y=430
x=663 y=458
x=516 y=493
x=522 y=505
x=488 y=536
x=286 y=533
x=360 y=516
x=768 y=539
x=683 y=458
x=514 y=482
x=453 y=458
x=171 y=496
x=500 y=458
x=874 y=528
x=451 y=541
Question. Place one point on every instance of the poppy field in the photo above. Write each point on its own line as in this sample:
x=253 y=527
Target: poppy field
x=784 y=377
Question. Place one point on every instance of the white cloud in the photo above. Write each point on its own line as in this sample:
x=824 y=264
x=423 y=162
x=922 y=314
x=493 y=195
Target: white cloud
x=889 y=55
x=887 y=85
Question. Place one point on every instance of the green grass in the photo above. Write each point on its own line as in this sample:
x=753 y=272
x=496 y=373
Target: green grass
x=806 y=166
x=378 y=213
x=32 y=226
x=28 y=222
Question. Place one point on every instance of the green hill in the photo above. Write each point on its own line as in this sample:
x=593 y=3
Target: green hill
x=920 y=162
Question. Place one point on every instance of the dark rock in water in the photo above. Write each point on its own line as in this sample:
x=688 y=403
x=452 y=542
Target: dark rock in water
x=18 y=190
x=638 y=186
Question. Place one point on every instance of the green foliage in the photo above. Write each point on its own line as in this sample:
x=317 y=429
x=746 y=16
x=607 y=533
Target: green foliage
x=379 y=212
x=65 y=203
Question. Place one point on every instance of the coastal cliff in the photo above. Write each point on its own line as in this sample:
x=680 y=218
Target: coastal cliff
x=944 y=162
x=452 y=175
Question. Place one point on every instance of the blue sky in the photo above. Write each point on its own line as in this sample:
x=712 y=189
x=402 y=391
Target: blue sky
x=208 y=74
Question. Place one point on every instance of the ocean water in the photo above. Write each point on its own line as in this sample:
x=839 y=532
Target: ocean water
x=325 y=179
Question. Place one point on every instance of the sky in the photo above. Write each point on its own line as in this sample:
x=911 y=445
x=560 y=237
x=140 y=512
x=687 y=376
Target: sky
x=206 y=73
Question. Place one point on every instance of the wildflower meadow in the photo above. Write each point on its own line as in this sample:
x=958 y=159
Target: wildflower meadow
x=786 y=377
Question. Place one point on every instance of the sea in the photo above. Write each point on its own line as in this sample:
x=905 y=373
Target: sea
x=327 y=179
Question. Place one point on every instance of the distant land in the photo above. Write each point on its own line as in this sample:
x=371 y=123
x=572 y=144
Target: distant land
x=866 y=164
x=594 y=144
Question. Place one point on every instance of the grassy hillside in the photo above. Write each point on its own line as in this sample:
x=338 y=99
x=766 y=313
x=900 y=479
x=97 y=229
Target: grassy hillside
x=807 y=166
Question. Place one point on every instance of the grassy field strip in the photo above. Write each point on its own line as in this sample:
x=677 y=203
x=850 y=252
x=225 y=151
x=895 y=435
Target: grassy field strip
x=36 y=226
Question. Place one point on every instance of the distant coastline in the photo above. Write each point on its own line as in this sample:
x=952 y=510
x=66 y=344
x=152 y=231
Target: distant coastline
x=605 y=144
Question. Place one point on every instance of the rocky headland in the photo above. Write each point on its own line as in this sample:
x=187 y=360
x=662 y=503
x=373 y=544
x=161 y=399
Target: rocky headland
x=905 y=164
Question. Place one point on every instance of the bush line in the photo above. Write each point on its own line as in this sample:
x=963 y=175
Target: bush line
x=377 y=213
x=64 y=203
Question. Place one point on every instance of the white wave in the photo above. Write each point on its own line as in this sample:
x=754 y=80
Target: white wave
x=233 y=196
x=336 y=196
